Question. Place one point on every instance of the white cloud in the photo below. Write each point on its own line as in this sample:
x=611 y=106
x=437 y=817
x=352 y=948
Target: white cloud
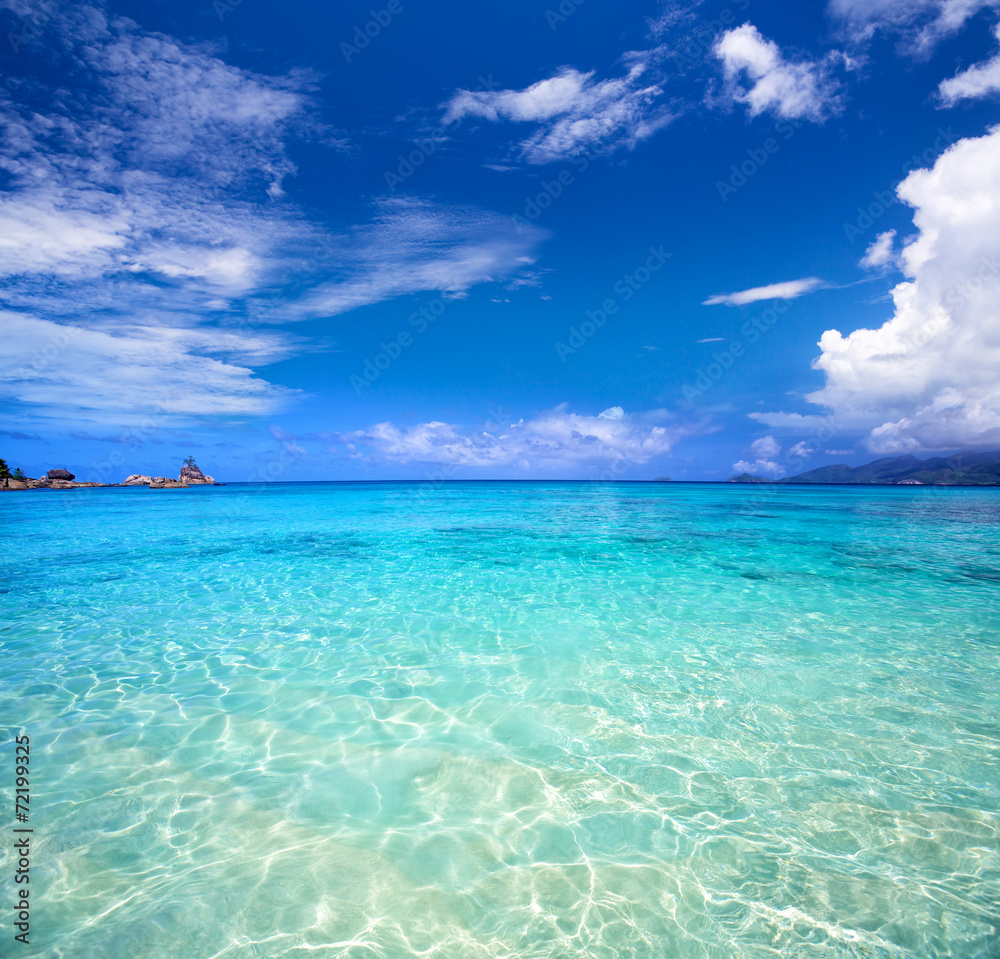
x=794 y=422
x=100 y=181
x=544 y=100
x=801 y=449
x=572 y=111
x=105 y=171
x=923 y=23
x=978 y=81
x=42 y=231
x=795 y=90
x=554 y=440
x=764 y=452
x=415 y=246
x=135 y=201
x=612 y=413
x=766 y=446
x=880 y=251
x=789 y=290
x=146 y=198
x=759 y=468
x=927 y=379
x=135 y=374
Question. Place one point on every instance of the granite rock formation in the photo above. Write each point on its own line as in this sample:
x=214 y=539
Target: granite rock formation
x=193 y=476
x=165 y=482
x=43 y=482
x=56 y=479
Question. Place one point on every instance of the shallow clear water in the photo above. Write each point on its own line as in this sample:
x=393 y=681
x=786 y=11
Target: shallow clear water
x=505 y=720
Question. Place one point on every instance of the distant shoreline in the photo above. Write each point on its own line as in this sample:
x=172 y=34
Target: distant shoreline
x=63 y=479
x=540 y=482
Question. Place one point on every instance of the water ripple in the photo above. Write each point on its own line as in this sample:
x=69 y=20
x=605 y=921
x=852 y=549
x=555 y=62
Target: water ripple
x=530 y=721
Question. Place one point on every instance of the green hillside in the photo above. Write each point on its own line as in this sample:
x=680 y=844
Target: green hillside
x=961 y=469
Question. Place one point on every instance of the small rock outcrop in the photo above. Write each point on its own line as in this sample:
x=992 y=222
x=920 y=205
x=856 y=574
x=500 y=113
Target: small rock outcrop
x=60 y=475
x=193 y=476
x=165 y=482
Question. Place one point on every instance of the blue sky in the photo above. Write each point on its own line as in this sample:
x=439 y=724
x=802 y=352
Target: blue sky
x=538 y=239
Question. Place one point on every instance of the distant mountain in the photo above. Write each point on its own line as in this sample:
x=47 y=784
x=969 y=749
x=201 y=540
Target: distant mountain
x=962 y=469
x=747 y=478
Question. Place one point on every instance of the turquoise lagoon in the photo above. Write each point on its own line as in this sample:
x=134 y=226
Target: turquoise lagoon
x=505 y=720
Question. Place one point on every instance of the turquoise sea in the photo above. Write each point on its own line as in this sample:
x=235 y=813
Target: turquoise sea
x=535 y=720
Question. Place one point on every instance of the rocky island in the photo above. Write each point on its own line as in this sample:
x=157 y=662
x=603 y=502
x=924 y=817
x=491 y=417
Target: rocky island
x=190 y=476
x=58 y=479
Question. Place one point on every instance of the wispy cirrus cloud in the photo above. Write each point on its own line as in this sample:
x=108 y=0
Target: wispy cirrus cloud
x=138 y=201
x=144 y=216
x=415 y=246
x=68 y=374
x=124 y=171
x=921 y=23
x=572 y=111
x=788 y=290
x=980 y=80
